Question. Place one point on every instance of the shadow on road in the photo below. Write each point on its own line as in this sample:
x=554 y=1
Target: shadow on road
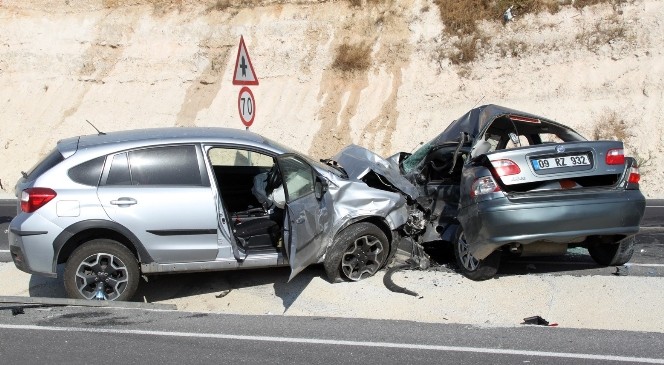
x=647 y=260
x=649 y=249
x=173 y=286
x=46 y=287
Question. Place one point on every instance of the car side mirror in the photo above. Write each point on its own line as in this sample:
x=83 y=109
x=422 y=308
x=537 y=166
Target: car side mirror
x=320 y=188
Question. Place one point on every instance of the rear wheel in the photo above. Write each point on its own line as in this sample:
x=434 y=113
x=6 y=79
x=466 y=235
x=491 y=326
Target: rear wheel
x=358 y=252
x=471 y=267
x=101 y=270
x=612 y=254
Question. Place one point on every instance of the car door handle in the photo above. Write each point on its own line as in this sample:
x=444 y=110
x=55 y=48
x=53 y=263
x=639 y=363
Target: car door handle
x=300 y=219
x=124 y=201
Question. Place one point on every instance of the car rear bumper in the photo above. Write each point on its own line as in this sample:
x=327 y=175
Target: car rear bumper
x=28 y=252
x=491 y=224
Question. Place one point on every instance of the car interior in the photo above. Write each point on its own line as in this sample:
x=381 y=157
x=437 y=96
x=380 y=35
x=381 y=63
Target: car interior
x=255 y=227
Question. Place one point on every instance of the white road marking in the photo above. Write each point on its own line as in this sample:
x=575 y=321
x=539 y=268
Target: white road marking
x=4 y=251
x=406 y=346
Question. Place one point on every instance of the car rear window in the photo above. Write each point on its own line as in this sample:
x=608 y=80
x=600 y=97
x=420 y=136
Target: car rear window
x=87 y=173
x=52 y=159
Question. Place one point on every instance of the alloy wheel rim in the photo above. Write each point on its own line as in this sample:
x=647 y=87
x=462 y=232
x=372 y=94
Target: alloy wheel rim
x=363 y=258
x=468 y=261
x=101 y=276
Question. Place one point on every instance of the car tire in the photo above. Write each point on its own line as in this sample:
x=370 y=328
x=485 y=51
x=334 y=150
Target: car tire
x=101 y=269
x=358 y=252
x=616 y=254
x=471 y=267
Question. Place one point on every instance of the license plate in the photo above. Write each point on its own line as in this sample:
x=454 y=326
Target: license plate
x=560 y=162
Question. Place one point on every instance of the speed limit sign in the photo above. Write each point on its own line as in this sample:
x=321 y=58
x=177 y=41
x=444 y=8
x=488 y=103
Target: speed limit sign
x=246 y=105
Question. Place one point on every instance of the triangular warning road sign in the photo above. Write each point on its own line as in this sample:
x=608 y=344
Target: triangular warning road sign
x=244 y=70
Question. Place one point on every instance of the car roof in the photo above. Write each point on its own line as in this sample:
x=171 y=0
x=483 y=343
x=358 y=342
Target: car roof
x=475 y=120
x=156 y=136
x=173 y=134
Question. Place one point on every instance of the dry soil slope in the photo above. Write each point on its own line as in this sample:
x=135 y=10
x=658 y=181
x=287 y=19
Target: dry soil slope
x=130 y=64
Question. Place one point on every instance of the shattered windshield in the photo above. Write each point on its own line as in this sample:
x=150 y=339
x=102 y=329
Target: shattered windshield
x=413 y=160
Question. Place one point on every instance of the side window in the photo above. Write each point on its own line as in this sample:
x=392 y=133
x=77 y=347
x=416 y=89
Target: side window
x=298 y=177
x=87 y=173
x=172 y=165
x=235 y=157
x=242 y=177
x=119 y=171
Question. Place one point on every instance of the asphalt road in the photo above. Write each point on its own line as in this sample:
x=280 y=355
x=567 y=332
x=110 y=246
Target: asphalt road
x=648 y=259
x=79 y=335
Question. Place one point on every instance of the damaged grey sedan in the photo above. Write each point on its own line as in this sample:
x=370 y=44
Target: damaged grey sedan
x=500 y=181
x=116 y=206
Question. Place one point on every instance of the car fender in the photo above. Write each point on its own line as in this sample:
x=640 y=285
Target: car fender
x=65 y=236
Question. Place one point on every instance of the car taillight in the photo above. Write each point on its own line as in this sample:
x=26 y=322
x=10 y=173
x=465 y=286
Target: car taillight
x=634 y=176
x=505 y=167
x=615 y=156
x=35 y=198
x=483 y=185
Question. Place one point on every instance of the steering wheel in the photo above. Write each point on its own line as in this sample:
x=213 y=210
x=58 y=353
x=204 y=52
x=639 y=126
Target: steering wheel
x=273 y=179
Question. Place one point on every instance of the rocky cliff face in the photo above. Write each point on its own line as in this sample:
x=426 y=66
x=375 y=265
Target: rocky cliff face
x=133 y=64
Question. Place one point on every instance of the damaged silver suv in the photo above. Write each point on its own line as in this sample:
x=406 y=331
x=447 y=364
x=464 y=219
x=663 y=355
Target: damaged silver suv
x=115 y=206
x=498 y=180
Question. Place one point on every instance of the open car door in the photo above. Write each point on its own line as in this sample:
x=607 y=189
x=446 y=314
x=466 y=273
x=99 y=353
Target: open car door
x=303 y=213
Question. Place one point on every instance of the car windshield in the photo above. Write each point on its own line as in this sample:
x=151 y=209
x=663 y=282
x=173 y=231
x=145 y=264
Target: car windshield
x=413 y=160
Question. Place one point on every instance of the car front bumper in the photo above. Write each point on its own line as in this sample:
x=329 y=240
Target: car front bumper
x=561 y=218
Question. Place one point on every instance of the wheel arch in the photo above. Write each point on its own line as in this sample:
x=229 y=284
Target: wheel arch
x=377 y=221
x=81 y=232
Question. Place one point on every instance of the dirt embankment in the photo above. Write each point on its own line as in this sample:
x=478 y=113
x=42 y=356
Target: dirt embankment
x=135 y=63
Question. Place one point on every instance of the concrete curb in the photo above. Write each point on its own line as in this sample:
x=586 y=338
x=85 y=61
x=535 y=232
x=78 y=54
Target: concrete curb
x=83 y=303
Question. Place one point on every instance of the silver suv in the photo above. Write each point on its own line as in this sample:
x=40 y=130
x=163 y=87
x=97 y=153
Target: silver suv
x=114 y=206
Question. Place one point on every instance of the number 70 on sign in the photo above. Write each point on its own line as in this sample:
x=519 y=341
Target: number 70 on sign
x=246 y=105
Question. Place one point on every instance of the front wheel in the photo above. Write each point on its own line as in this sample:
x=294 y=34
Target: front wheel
x=608 y=254
x=101 y=270
x=358 y=252
x=471 y=267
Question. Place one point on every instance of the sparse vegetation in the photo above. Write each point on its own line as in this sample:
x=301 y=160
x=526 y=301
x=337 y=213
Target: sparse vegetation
x=644 y=161
x=465 y=49
x=462 y=18
x=352 y=57
x=602 y=32
x=611 y=126
x=513 y=48
x=220 y=5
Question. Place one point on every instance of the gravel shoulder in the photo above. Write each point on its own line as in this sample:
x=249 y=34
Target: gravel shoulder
x=593 y=302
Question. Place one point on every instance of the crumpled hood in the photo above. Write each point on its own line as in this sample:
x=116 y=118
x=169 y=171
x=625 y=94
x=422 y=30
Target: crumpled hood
x=358 y=162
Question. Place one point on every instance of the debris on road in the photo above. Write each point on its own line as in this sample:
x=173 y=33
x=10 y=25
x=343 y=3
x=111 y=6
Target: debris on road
x=409 y=255
x=223 y=293
x=539 y=321
x=622 y=271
